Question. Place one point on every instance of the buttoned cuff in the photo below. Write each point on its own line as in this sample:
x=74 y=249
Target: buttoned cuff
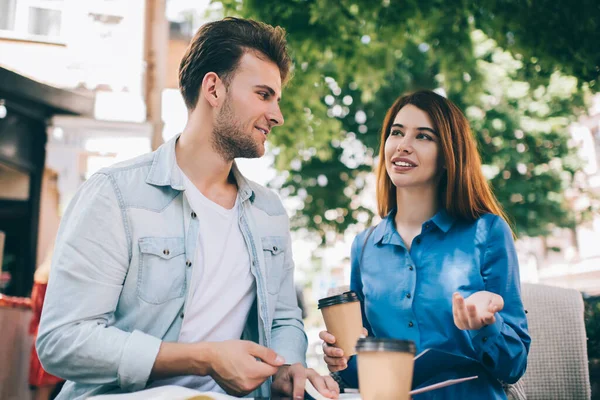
x=137 y=360
x=485 y=335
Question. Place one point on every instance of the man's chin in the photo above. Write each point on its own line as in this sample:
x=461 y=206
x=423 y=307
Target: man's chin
x=257 y=153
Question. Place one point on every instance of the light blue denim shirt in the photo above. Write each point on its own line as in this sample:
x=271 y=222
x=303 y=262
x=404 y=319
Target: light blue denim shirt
x=407 y=294
x=121 y=270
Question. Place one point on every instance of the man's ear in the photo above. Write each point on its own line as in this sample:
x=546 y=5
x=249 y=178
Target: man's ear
x=212 y=89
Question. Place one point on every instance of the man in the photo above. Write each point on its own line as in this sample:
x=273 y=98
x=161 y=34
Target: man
x=165 y=261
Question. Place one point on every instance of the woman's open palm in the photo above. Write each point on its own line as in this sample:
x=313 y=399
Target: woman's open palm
x=477 y=310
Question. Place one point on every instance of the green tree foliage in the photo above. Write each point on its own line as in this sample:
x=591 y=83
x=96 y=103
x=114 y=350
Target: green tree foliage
x=353 y=58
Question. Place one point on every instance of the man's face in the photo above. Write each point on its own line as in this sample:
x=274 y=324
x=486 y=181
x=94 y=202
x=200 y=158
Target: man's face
x=250 y=109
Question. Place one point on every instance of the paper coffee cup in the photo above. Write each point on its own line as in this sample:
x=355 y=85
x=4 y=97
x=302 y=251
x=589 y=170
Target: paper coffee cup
x=343 y=320
x=385 y=368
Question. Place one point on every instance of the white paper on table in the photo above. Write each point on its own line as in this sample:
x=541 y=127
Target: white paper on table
x=169 y=392
x=310 y=389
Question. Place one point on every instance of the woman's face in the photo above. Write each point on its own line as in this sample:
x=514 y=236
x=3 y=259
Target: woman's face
x=412 y=150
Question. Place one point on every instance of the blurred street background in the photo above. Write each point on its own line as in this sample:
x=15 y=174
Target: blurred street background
x=85 y=84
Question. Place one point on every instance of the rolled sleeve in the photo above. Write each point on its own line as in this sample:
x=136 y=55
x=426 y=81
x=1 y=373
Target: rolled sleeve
x=291 y=345
x=139 y=353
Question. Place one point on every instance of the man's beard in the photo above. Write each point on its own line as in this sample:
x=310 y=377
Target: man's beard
x=229 y=139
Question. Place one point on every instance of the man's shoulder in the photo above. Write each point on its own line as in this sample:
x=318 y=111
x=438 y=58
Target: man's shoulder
x=142 y=162
x=266 y=199
x=130 y=179
x=129 y=175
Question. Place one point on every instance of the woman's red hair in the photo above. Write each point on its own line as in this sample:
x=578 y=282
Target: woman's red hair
x=464 y=191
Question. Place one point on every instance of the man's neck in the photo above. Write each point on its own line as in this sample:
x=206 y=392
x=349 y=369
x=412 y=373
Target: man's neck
x=198 y=160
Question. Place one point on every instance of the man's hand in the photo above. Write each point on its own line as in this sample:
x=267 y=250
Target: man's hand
x=234 y=365
x=333 y=356
x=289 y=381
x=477 y=310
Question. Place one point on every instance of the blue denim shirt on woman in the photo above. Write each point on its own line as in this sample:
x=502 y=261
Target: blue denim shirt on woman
x=408 y=295
x=121 y=271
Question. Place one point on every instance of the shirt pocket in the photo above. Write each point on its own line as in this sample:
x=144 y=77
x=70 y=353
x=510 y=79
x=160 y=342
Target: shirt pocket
x=273 y=251
x=161 y=275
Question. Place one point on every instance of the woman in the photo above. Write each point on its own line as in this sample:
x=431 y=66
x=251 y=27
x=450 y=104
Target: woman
x=440 y=269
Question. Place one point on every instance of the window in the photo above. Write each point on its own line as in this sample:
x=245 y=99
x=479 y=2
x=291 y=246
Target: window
x=31 y=19
x=7 y=14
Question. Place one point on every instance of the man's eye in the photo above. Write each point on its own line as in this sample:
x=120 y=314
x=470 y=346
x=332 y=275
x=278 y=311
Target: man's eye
x=264 y=95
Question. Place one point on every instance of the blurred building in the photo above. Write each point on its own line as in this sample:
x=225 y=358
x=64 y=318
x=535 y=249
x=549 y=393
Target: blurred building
x=571 y=257
x=26 y=187
x=95 y=71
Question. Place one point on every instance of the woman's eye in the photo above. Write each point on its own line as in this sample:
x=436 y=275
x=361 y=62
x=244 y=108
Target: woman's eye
x=264 y=95
x=396 y=133
x=424 y=136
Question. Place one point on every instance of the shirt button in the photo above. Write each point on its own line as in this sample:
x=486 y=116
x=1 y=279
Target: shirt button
x=274 y=248
x=411 y=267
x=484 y=339
x=166 y=252
x=188 y=263
x=193 y=214
x=408 y=295
x=418 y=240
x=410 y=324
x=181 y=315
x=426 y=226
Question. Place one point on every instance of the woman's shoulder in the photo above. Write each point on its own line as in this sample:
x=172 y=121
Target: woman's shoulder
x=483 y=228
x=487 y=221
x=492 y=226
x=361 y=239
x=366 y=233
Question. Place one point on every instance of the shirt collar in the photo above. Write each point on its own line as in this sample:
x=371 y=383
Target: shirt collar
x=384 y=231
x=443 y=220
x=165 y=172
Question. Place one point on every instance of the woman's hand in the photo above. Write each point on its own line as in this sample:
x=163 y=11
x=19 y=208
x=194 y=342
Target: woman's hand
x=477 y=310
x=334 y=357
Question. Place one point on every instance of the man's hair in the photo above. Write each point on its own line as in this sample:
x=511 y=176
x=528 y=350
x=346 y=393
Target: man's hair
x=218 y=47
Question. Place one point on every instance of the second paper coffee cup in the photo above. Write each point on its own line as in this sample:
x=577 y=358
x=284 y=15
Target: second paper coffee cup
x=385 y=368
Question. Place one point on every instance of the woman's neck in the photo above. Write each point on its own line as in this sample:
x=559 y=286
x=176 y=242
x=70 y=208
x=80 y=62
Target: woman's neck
x=414 y=206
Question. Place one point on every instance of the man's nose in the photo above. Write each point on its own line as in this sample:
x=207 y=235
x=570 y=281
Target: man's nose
x=275 y=116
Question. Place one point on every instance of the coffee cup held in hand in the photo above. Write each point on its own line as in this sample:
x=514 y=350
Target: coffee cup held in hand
x=343 y=320
x=385 y=368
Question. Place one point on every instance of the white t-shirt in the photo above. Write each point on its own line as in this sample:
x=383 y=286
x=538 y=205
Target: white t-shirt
x=222 y=285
